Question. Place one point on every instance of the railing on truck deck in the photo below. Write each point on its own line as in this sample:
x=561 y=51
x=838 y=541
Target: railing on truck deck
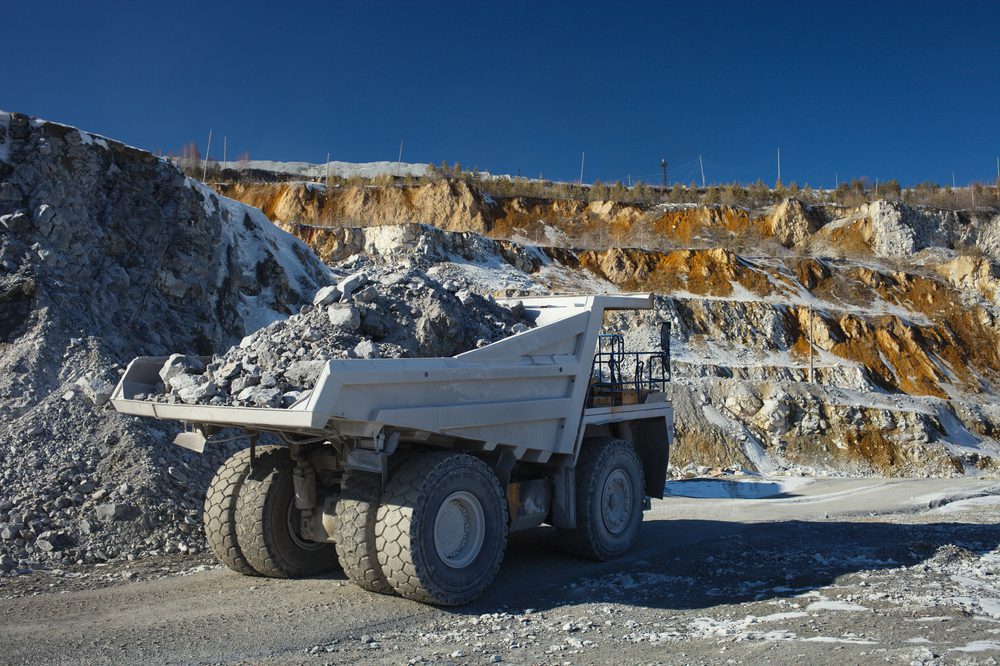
x=627 y=378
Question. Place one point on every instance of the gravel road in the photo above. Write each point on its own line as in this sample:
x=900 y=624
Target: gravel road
x=819 y=571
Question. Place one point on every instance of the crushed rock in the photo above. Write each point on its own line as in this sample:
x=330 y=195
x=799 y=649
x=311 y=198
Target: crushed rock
x=387 y=313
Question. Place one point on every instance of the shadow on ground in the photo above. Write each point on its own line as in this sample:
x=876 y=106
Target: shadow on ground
x=691 y=564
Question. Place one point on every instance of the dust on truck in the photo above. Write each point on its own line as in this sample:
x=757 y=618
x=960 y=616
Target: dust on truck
x=411 y=473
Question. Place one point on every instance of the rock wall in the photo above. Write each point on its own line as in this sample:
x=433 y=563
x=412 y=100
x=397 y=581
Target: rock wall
x=451 y=205
x=881 y=228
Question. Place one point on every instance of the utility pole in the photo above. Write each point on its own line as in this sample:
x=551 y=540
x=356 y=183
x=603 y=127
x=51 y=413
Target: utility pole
x=779 y=165
x=952 y=180
x=702 y=164
x=663 y=176
x=583 y=156
x=876 y=188
x=836 y=180
x=204 y=171
x=399 y=162
x=225 y=139
x=326 y=192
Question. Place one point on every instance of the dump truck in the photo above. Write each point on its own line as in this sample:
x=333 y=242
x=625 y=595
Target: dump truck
x=411 y=472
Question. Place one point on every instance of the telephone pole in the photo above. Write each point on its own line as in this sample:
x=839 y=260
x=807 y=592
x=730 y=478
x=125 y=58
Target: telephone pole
x=663 y=174
x=702 y=164
x=399 y=162
x=583 y=156
x=779 y=165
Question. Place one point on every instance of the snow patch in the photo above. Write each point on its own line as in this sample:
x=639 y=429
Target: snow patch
x=761 y=488
x=958 y=437
x=90 y=139
x=335 y=168
x=853 y=640
x=978 y=646
x=835 y=606
x=248 y=231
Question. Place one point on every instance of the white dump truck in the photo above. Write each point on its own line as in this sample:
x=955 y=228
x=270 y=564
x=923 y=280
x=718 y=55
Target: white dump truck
x=410 y=473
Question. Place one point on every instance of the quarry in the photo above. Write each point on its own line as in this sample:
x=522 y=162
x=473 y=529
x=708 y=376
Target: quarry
x=825 y=351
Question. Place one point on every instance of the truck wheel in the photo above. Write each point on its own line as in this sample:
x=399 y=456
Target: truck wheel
x=442 y=528
x=220 y=512
x=609 y=496
x=267 y=526
x=355 y=514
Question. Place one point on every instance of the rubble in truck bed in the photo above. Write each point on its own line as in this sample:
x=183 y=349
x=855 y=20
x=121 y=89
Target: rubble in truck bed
x=383 y=313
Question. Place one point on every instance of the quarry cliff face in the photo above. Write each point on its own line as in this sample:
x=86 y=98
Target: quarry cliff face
x=450 y=205
x=880 y=228
x=902 y=305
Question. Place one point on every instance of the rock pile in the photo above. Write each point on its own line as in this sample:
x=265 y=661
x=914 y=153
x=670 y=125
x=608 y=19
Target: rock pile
x=369 y=314
x=107 y=253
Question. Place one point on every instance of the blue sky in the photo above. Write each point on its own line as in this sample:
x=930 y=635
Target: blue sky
x=907 y=90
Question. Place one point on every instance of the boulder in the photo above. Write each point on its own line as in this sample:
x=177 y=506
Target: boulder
x=344 y=316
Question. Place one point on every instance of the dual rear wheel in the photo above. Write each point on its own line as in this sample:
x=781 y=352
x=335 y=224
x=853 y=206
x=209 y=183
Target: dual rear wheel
x=251 y=523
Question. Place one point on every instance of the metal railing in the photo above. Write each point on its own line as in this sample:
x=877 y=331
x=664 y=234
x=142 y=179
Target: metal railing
x=621 y=377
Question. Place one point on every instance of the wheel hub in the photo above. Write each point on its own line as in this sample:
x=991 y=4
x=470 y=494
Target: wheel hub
x=459 y=529
x=295 y=529
x=616 y=501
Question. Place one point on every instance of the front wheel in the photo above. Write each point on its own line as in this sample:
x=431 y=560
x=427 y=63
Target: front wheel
x=441 y=530
x=609 y=495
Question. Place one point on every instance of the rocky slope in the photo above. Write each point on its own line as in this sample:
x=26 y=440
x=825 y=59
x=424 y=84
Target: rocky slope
x=107 y=253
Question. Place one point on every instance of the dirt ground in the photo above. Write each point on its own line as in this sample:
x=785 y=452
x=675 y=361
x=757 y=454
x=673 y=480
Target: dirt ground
x=837 y=571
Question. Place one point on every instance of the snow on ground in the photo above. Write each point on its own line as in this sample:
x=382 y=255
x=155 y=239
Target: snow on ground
x=335 y=168
x=247 y=228
x=92 y=139
x=744 y=488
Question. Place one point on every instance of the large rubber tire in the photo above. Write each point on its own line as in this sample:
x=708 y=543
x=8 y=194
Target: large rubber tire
x=355 y=515
x=219 y=516
x=416 y=537
x=610 y=491
x=267 y=522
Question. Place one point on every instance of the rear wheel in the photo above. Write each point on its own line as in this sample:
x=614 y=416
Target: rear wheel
x=609 y=495
x=355 y=515
x=220 y=512
x=442 y=528
x=268 y=522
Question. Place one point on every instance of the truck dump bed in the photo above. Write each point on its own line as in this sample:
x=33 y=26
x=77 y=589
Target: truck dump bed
x=527 y=391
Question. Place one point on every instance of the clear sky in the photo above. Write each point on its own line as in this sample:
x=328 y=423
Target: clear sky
x=907 y=90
